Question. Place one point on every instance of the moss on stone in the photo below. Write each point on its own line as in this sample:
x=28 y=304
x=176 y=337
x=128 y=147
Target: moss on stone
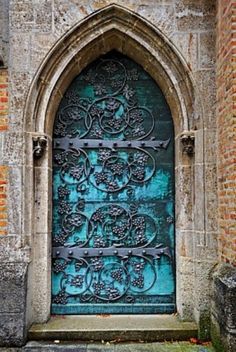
x=204 y=326
x=216 y=338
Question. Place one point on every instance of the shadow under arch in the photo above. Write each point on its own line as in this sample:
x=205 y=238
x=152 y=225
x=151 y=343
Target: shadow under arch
x=112 y=27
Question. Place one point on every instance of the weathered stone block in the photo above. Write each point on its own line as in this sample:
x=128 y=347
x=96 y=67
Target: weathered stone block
x=21 y=15
x=19 y=51
x=15 y=200
x=202 y=285
x=224 y=295
x=206 y=245
x=130 y=4
x=13 y=149
x=199 y=210
x=187 y=45
x=43 y=42
x=4 y=32
x=184 y=242
x=12 y=288
x=9 y=249
x=211 y=197
x=67 y=13
x=210 y=142
x=195 y=15
x=223 y=309
x=207 y=54
x=185 y=287
x=12 y=329
x=202 y=295
x=28 y=208
x=43 y=196
x=207 y=89
x=41 y=273
x=12 y=303
x=19 y=85
x=184 y=210
x=43 y=15
x=163 y=16
x=13 y=279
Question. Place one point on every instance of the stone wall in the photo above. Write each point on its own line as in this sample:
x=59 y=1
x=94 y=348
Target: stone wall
x=223 y=325
x=4 y=31
x=3 y=168
x=223 y=319
x=36 y=31
x=226 y=123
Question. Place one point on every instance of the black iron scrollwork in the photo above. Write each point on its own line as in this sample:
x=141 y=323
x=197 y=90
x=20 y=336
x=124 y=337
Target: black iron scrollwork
x=104 y=142
x=112 y=170
x=113 y=111
x=111 y=232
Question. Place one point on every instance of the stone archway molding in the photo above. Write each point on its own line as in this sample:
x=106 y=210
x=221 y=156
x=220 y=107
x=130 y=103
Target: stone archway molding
x=111 y=28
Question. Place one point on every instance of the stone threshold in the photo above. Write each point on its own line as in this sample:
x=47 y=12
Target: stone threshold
x=116 y=328
x=42 y=346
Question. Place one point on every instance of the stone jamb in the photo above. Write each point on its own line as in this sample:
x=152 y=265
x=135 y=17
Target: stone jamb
x=111 y=28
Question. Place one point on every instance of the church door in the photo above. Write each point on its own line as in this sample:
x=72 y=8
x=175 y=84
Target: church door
x=113 y=194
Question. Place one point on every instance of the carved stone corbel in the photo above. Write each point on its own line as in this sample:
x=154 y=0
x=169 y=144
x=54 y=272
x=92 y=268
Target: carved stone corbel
x=187 y=139
x=1 y=62
x=39 y=146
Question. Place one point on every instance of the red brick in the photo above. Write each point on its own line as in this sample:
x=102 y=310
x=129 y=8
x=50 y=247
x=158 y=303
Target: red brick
x=226 y=123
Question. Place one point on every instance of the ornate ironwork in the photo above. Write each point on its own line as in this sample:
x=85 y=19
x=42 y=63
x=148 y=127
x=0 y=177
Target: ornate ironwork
x=114 y=110
x=112 y=171
x=105 y=152
x=87 y=252
x=70 y=143
x=124 y=238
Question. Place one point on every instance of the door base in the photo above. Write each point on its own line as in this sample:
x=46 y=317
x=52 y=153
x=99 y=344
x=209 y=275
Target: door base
x=44 y=346
x=114 y=327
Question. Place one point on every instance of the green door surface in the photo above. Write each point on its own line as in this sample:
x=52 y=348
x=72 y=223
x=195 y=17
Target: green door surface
x=113 y=194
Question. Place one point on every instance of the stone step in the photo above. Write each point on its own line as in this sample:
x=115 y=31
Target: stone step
x=40 y=346
x=114 y=328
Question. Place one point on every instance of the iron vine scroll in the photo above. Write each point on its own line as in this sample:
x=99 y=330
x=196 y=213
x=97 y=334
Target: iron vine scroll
x=104 y=148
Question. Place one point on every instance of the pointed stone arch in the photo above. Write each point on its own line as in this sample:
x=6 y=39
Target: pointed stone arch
x=111 y=28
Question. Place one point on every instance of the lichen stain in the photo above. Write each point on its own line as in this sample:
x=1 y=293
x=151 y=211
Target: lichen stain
x=99 y=4
x=190 y=42
x=183 y=249
x=83 y=10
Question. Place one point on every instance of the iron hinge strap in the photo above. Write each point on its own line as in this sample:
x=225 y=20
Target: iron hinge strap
x=70 y=143
x=82 y=252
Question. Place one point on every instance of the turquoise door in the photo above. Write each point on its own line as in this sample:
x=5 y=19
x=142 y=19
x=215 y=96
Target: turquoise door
x=113 y=194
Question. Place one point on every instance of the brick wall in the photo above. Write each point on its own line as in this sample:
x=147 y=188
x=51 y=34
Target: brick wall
x=3 y=169
x=3 y=99
x=226 y=121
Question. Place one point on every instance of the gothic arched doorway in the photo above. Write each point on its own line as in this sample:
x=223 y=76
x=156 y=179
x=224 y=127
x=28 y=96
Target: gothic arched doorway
x=113 y=193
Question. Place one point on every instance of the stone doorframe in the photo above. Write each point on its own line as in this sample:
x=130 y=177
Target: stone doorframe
x=115 y=27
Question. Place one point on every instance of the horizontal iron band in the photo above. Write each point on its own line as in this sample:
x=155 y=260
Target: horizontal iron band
x=78 y=252
x=68 y=143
